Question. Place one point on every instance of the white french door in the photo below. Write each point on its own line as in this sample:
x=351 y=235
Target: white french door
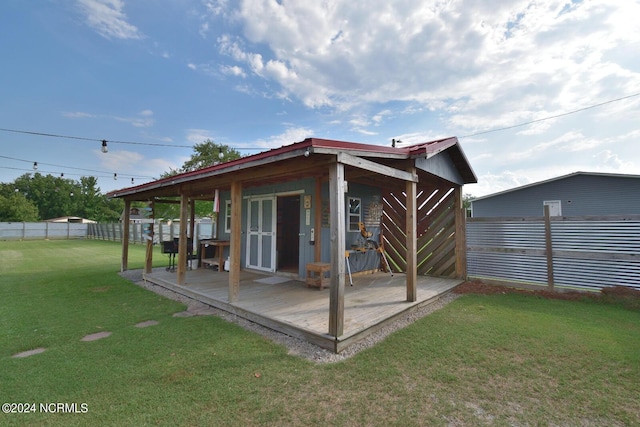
x=261 y=236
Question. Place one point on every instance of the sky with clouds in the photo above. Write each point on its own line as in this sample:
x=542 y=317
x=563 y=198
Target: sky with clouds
x=159 y=76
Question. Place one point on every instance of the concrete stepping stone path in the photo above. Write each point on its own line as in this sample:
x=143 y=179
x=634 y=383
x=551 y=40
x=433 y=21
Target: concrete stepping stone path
x=96 y=336
x=30 y=352
x=147 y=324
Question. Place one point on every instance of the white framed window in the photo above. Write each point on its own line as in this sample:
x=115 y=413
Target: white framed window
x=555 y=207
x=355 y=213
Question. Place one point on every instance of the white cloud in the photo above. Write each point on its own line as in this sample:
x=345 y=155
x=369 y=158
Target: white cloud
x=610 y=161
x=78 y=115
x=198 y=136
x=289 y=136
x=108 y=19
x=129 y=163
x=233 y=71
x=493 y=65
x=143 y=120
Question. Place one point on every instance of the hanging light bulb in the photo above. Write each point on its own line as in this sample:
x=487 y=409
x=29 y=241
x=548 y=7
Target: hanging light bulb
x=115 y=176
x=35 y=166
x=104 y=146
x=62 y=175
x=131 y=181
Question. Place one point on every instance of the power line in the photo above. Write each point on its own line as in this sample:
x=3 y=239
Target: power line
x=53 y=135
x=70 y=167
x=551 y=117
x=63 y=174
x=104 y=141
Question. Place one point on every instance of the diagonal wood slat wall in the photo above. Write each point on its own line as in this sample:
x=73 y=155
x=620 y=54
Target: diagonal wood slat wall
x=435 y=234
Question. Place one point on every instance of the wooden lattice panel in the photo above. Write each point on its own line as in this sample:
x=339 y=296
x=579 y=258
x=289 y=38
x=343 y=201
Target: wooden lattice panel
x=435 y=231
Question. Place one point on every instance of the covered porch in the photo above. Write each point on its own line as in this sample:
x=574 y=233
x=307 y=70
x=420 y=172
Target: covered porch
x=287 y=305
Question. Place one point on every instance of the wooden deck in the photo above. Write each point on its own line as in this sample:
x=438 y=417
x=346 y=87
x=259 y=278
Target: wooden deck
x=287 y=305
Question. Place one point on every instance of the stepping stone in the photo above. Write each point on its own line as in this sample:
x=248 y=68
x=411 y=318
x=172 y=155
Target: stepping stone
x=183 y=314
x=202 y=311
x=96 y=336
x=147 y=323
x=30 y=352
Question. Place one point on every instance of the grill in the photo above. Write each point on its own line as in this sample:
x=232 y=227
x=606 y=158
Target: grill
x=171 y=248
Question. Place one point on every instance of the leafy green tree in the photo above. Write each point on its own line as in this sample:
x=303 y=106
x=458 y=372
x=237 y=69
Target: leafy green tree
x=56 y=197
x=15 y=207
x=205 y=154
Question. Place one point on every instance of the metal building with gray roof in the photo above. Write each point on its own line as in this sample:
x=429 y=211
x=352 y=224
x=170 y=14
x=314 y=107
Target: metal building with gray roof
x=575 y=194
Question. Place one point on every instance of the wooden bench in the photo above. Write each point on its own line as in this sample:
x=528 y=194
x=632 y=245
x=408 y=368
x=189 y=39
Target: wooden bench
x=318 y=280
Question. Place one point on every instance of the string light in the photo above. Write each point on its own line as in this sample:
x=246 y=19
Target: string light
x=153 y=144
x=67 y=167
x=35 y=166
x=63 y=174
x=104 y=146
x=115 y=176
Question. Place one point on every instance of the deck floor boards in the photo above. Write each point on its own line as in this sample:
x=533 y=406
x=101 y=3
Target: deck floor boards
x=371 y=300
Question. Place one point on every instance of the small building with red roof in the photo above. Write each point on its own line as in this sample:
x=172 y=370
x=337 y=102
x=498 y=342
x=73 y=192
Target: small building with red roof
x=335 y=208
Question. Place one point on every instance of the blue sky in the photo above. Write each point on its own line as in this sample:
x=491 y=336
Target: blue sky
x=257 y=74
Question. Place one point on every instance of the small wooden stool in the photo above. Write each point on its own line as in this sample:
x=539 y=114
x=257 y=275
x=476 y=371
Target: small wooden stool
x=319 y=268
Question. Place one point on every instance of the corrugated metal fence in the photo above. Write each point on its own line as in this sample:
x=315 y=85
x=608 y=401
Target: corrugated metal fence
x=574 y=252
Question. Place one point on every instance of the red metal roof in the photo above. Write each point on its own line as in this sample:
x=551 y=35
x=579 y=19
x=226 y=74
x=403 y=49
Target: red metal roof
x=426 y=148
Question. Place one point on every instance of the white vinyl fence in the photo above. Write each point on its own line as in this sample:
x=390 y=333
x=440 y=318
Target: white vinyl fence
x=163 y=231
x=42 y=230
x=586 y=253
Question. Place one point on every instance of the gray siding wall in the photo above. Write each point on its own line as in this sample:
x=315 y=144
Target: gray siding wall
x=580 y=195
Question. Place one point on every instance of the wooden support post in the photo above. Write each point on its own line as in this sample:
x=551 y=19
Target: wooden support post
x=235 y=243
x=411 y=240
x=192 y=225
x=192 y=218
x=148 y=259
x=338 y=231
x=461 y=234
x=317 y=203
x=549 y=248
x=124 y=265
x=182 y=241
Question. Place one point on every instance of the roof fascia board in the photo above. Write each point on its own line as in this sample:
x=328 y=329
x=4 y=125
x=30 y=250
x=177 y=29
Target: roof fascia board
x=215 y=172
x=375 y=154
x=369 y=165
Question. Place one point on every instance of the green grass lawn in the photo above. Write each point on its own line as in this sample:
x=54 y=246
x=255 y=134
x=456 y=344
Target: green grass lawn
x=482 y=360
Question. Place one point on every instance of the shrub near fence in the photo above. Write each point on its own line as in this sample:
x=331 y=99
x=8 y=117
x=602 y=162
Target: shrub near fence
x=42 y=230
x=587 y=253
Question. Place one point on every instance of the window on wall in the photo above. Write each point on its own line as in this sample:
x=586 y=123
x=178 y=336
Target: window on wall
x=355 y=213
x=227 y=216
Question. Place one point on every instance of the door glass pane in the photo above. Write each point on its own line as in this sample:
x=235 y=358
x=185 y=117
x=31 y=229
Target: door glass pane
x=266 y=251
x=267 y=216
x=253 y=250
x=254 y=210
